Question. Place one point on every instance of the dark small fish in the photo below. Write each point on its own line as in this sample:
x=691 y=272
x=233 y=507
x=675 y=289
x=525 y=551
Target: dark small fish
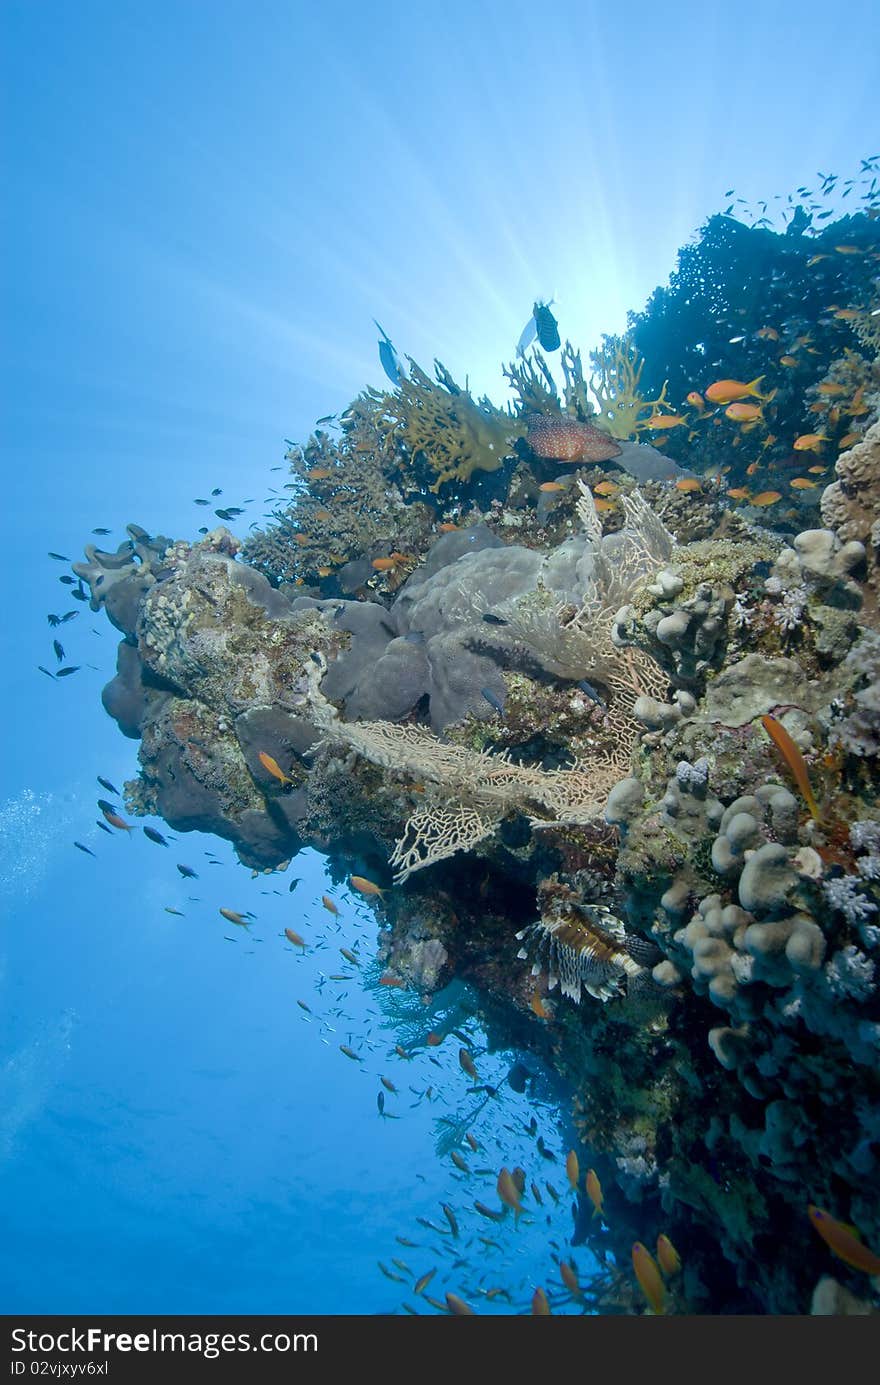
x=518 y=1076
x=591 y=692
x=380 y=1102
x=203 y=530
x=107 y=807
x=217 y=491
x=66 y=672
x=102 y=532
x=68 y=615
x=103 y=826
x=222 y=514
x=47 y=672
x=201 y=502
x=105 y=784
x=491 y=619
x=68 y=581
x=315 y=658
x=79 y=595
x=349 y=1053
x=492 y=700
x=155 y=836
x=389 y=359
x=176 y=912
x=84 y=848
x=59 y=651
x=187 y=872
x=293 y=884
x=451 y=1218
x=234 y=511
x=59 y=557
x=546 y=326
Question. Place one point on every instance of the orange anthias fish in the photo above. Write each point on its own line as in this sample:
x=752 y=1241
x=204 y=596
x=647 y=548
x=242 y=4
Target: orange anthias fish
x=364 y=886
x=508 y=1192
x=725 y=391
x=696 y=400
x=570 y=1279
x=540 y=1304
x=274 y=768
x=384 y=564
x=848 y=440
x=594 y=1192
x=602 y=504
x=458 y=1307
x=766 y=498
x=572 y=1168
x=803 y=483
x=743 y=413
x=606 y=488
x=849 y=250
x=447 y=528
x=809 y=442
x=668 y=1256
x=665 y=421
x=844 y=1241
x=649 y=1277
x=328 y=904
x=319 y=473
x=294 y=937
x=116 y=821
x=767 y=334
x=795 y=761
x=234 y=917
x=467 y=1064
x=787 y=361
x=830 y=387
x=688 y=483
x=739 y=493
x=549 y=487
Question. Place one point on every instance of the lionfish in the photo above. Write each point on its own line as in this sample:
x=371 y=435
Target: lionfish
x=592 y=953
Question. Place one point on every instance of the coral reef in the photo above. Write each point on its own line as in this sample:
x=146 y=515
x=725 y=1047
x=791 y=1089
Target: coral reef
x=615 y=745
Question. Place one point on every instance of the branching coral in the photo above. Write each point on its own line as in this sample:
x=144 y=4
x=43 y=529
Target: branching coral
x=446 y=427
x=617 y=371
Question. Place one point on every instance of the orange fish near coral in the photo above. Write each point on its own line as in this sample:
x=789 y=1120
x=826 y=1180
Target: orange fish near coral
x=725 y=391
x=273 y=768
x=809 y=442
x=767 y=334
x=548 y=487
x=738 y=493
x=844 y=1241
x=328 y=904
x=766 y=498
x=848 y=440
x=572 y=1168
x=566 y=440
x=384 y=564
x=743 y=413
x=594 y=1192
x=795 y=761
x=803 y=483
x=447 y=528
x=688 y=483
x=788 y=361
x=661 y=421
x=363 y=885
x=696 y=400
x=602 y=504
x=606 y=488
x=570 y=1279
x=668 y=1256
x=649 y=1277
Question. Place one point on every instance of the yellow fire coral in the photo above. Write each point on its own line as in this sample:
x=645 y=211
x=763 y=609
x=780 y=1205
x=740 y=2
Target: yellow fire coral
x=617 y=370
x=443 y=424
